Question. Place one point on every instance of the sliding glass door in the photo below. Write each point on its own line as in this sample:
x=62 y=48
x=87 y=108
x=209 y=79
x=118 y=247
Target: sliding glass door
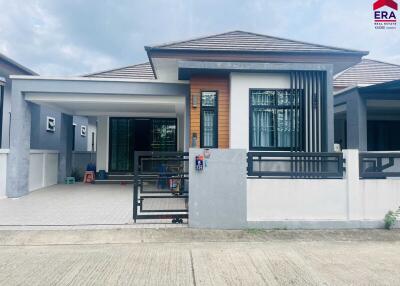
x=121 y=144
x=128 y=135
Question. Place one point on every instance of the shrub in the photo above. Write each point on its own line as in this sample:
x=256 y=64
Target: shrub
x=390 y=219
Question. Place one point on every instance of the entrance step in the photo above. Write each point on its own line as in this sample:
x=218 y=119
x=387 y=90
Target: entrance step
x=121 y=177
x=117 y=178
x=117 y=182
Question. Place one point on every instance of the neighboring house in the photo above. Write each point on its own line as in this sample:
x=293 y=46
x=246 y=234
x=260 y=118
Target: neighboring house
x=41 y=137
x=367 y=110
x=231 y=90
x=8 y=67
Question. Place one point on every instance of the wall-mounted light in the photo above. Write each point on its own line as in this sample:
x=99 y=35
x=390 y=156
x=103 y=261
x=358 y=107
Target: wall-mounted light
x=194 y=101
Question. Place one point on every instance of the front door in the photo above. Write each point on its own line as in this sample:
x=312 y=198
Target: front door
x=128 y=135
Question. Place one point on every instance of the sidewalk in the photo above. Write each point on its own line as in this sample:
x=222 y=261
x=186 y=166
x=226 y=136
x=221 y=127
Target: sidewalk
x=199 y=257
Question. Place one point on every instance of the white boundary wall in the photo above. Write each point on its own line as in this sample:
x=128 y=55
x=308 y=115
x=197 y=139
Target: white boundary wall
x=43 y=169
x=3 y=172
x=309 y=201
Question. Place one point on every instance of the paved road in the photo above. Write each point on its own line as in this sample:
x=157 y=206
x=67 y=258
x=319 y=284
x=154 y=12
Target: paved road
x=195 y=257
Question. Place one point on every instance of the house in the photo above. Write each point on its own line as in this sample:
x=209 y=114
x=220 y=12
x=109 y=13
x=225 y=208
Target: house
x=366 y=106
x=41 y=137
x=230 y=90
x=8 y=67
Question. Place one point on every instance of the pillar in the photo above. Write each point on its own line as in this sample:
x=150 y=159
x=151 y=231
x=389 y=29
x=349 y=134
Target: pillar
x=356 y=114
x=355 y=195
x=65 y=147
x=17 y=184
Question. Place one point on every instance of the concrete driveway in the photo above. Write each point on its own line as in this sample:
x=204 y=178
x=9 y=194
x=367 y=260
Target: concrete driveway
x=65 y=205
x=199 y=257
x=79 y=206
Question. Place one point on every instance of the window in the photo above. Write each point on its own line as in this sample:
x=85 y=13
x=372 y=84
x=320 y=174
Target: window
x=274 y=119
x=209 y=120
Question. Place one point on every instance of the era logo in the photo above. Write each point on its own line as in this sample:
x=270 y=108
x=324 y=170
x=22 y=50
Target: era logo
x=385 y=13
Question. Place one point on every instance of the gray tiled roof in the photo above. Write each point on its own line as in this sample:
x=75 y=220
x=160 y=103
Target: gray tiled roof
x=367 y=72
x=139 y=71
x=249 y=42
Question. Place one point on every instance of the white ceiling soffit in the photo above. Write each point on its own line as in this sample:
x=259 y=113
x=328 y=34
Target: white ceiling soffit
x=102 y=104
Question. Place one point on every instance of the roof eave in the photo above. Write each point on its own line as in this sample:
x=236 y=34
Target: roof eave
x=149 y=50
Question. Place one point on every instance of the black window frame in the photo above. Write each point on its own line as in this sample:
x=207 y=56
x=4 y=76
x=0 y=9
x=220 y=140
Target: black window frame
x=209 y=108
x=275 y=107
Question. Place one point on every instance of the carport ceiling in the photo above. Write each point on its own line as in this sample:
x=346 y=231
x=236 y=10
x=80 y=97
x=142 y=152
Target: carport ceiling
x=106 y=104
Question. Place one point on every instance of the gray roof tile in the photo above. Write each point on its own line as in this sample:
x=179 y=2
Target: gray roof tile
x=139 y=71
x=249 y=42
x=367 y=72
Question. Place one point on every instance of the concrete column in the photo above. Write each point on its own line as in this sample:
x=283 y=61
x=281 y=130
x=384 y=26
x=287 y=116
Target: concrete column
x=18 y=158
x=356 y=114
x=355 y=196
x=65 y=155
x=102 y=143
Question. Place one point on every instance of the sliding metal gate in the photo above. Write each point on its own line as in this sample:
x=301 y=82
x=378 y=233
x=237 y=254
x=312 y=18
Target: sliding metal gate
x=160 y=189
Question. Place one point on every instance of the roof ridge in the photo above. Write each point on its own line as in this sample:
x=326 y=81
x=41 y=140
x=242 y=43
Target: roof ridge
x=189 y=40
x=115 y=69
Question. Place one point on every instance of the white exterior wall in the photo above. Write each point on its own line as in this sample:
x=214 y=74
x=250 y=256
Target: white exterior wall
x=240 y=85
x=43 y=169
x=3 y=172
x=348 y=199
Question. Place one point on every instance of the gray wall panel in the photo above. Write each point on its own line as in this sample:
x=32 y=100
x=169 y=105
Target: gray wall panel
x=218 y=194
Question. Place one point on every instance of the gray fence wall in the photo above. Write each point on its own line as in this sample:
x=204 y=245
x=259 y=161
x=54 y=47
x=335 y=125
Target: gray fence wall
x=217 y=194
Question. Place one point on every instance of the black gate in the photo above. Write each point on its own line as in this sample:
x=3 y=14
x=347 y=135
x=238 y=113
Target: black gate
x=160 y=188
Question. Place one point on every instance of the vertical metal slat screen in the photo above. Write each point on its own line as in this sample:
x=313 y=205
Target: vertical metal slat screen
x=308 y=90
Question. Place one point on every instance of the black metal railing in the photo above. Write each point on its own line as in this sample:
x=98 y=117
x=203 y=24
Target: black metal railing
x=379 y=165
x=295 y=165
x=160 y=189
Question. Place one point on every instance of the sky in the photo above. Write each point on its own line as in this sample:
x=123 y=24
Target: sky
x=75 y=37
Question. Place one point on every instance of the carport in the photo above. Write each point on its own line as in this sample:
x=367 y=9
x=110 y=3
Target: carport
x=99 y=97
x=368 y=117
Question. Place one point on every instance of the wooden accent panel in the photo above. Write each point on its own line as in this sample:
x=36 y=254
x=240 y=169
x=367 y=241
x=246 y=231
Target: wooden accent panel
x=211 y=83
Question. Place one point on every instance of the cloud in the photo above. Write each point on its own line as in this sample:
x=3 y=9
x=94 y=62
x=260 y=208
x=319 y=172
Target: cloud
x=72 y=37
